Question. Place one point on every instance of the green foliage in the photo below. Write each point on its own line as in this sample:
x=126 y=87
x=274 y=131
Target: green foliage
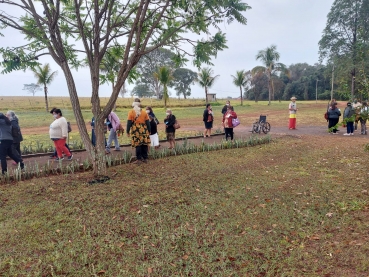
x=206 y=80
x=164 y=76
x=183 y=79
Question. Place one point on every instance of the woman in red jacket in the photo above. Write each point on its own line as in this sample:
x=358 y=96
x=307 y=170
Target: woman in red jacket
x=227 y=122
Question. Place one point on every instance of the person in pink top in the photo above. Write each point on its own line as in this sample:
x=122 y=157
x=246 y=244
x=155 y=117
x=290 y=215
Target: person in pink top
x=112 y=122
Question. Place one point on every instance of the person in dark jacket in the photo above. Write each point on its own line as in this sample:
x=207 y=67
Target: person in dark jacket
x=349 y=118
x=169 y=122
x=154 y=137
x=6 y=142
x=16 y=133
x=333 y=117
x=208 y=119
x=224 y=110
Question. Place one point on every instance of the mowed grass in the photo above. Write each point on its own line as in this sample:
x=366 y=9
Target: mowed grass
x=294 y=207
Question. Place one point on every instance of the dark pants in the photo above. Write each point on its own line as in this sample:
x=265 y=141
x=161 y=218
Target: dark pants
x=333 y=122
x=228 y=133
x=141 y=152
x=350 y=127
x=6 y=150
x=16 y=149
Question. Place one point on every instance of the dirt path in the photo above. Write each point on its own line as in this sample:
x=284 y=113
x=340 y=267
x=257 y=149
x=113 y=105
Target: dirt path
x=304 y=132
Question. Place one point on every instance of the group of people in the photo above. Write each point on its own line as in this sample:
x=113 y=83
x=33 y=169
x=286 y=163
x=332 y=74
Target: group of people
x=227 y=123
x=354 y=112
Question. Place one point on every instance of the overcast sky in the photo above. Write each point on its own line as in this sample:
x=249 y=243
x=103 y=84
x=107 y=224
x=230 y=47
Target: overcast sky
x=295 y=26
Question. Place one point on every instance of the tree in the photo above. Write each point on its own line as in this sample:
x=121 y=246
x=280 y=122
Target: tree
x=259 y=84
x=183 y=79
x=149 y=64
x=164 y=77
x=346 y=31
x=32 y=88
x=205 y=80
x=141 y=91
x=269 y=57
x=44 y=77
x=139 y=26
x=240 y=80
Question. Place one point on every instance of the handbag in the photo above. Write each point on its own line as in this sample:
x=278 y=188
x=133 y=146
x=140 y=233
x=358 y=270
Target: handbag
x=176 y=125
x=235 y=122
x=326 y=116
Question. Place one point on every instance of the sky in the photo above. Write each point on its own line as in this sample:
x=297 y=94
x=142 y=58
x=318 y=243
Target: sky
x=294 y=26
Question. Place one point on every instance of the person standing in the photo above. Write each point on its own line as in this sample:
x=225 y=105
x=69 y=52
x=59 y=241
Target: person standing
x=6 y=142
x=16 y=133
x=364 y=117
x=292 y=107
x=333 y=117
x=154 y=137
x=227 y=122
x=224 y=109
x=58 y=133
x=113 y=123
x=349 y=118
x=139 y=128
x=208 y=119
x=169 y=121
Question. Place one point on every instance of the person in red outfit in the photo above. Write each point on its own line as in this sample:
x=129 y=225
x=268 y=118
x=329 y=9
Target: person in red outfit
x=227 y=122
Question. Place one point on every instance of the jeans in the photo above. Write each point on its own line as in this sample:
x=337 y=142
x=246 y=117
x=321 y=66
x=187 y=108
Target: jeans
x=6 y=150
x=112 y=137
x=350 y=127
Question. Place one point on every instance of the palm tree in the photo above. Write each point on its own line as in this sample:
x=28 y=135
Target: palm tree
x=269 y=57
x=205 y=80
x=240 y=80
x=164 y=77
x=44 y=77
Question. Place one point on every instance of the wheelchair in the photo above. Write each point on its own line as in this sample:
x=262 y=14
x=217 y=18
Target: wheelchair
x=261 y=125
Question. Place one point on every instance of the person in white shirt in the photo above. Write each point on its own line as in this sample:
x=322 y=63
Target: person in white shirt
x=363 y=117
x=58 y=134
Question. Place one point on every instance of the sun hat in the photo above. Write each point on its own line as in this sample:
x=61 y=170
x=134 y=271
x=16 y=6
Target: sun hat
x=293 y=98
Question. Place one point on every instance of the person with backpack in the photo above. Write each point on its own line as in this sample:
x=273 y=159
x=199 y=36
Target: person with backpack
x=333 y=117
x=349 y=118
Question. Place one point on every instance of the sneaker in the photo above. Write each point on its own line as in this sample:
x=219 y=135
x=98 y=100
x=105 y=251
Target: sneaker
x=70 y=157
x=335 y=133
x=346 y=134
x=351 y=134
x=145 y=161
x=59 y=159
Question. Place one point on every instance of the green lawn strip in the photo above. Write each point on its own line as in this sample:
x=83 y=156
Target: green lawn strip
x=289 y=208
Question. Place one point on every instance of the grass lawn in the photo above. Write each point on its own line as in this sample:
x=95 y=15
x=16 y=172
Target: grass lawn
x=294 y=207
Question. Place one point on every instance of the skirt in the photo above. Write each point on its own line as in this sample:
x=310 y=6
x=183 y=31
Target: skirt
x=154 y=139
x=209 y=125
x=140 y=135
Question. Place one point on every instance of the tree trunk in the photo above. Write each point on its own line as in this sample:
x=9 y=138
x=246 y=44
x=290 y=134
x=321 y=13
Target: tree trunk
x=270 y=90
x=241 y=96
x=46 y=102
x=353 y=84
x=206 y=94
x=96 y=154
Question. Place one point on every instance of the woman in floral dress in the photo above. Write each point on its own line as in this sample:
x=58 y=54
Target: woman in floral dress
x=138 y=128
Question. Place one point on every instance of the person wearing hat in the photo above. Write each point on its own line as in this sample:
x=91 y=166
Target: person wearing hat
x=292 y=107
x=349 y=118
x=139 y=128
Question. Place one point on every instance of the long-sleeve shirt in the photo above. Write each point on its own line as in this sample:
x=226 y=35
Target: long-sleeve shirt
x=59 y=128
